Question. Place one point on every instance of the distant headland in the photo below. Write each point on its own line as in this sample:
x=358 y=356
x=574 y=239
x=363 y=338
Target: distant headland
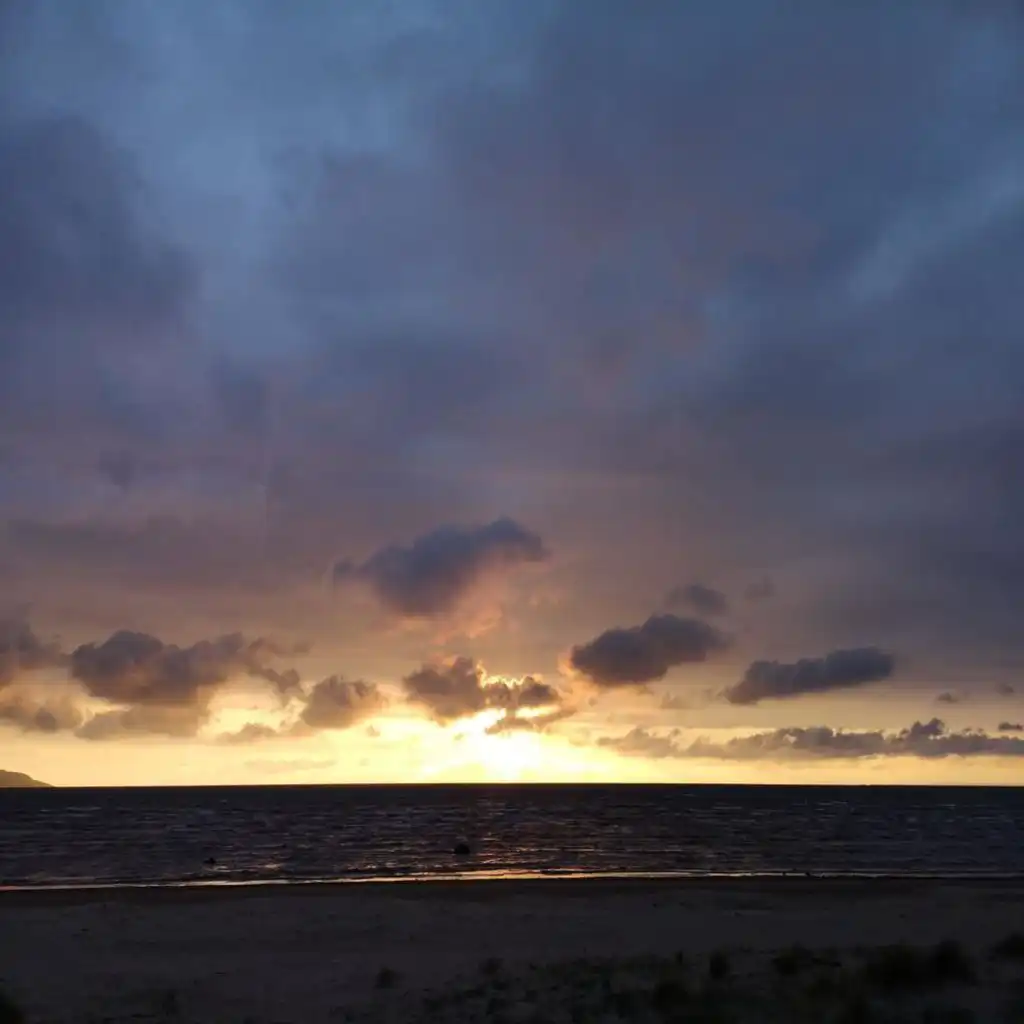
x=18 y=780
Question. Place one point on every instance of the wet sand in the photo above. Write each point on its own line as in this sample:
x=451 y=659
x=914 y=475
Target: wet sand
x=317 y=953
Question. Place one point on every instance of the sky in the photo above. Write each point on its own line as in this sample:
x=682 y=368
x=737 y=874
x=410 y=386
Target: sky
x=462 y=390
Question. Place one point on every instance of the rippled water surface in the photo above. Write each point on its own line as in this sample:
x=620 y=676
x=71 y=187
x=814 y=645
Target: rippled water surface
x=110 y=836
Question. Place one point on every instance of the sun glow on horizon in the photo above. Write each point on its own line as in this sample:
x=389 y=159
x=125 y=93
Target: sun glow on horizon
x=475 y=754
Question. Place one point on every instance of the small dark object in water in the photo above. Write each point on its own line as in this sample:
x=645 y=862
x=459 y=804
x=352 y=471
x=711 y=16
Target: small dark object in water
x=462 y=850
x=210 y=861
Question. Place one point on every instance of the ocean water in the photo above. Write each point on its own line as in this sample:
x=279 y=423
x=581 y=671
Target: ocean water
x=76 y=837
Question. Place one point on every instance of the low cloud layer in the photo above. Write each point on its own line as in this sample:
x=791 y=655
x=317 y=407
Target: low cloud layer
x=137 y=668
x=334 y=703
x=842 y=669
x=640 y=742
x=513 y=721
x=929 y=739
x=635 y=655
x=437 y=570
x=175 y=721
x=461 y=688
x=168 y=689
x=163 y=689
x=22 y=650
x=338 y=703
x=448 y=692
x=256 y=732
x=49 y=715
x=153 y=688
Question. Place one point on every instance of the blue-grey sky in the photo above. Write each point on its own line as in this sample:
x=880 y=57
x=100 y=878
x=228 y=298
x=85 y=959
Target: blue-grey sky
x=668 y=353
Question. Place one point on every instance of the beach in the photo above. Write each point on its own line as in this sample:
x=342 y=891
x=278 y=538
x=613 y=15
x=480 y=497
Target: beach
x=493 y=950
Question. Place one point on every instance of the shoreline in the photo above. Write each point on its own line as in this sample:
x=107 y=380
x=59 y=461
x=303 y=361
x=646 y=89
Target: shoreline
x=497 y=888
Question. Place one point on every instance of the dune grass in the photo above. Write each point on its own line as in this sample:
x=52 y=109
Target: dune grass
x=903 y=968
x=797 y=985
x=896 y=984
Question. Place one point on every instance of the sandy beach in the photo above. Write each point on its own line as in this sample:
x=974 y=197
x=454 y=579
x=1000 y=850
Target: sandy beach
x=499 y=950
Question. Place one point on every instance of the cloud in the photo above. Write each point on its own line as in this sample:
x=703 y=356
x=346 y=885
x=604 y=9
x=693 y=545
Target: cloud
x=948 y=698
x=432 y=575
x=1011 y=727
x=22 y=650
x=164 y=689
x=448 y=692
x=461 y=688
x=168 y=688
x=514 y=695
x=167 y=553
x=640 y=742
x=1005 y=689
x=841 y=669
x=45 y=716
x=337 y=703
x=74 y=241
x=91 y=283
x=642 y=345
x=137 y=668
x=514 y=721
x=698 y=598
x=177 y=721
x=922 y=739
x=332 y=703
x=642 y=654
x=255 y=732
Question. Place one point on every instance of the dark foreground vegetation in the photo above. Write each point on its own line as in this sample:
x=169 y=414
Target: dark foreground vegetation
x=898 y=984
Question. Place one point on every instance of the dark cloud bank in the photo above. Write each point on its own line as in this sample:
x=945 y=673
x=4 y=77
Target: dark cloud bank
x=336 y=703
x=22 y=650
x=593 y=256
x=922 y=739
x=843 y=669
x=157 y=688
x=461 y=688
x=632 y=656
x=432 y=574
x=162 y=689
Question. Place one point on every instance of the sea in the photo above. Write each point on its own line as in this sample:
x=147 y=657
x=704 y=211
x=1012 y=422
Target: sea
x=54 y=838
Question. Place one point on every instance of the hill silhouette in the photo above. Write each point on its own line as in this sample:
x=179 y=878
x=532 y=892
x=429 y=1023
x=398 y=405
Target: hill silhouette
x=18 y=780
